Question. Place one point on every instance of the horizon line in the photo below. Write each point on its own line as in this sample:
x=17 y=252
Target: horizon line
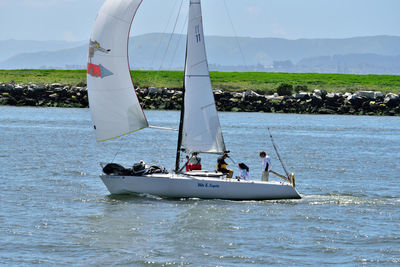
x=221 y=36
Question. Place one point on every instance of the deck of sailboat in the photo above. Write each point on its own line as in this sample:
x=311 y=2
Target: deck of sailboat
x=188 y=186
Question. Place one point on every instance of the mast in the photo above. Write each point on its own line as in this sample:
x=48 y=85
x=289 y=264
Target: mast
x=178 y=149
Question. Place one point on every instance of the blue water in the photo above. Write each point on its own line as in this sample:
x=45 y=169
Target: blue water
x=54 y=209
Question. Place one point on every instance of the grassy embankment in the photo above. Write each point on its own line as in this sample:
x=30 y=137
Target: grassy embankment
x=232 y=81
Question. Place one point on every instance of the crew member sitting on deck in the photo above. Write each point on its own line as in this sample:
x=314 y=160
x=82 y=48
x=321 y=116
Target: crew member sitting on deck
x=194 y=162
x=244 y=171
x=221 y=166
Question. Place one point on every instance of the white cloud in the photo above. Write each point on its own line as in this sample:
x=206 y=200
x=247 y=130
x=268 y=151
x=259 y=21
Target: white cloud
x=69 y=36
x=253 y=11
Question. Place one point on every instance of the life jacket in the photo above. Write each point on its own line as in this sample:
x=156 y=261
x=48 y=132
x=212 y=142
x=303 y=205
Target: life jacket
x=196 y=167
x=193 y=167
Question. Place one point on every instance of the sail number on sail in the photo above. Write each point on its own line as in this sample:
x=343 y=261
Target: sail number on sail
x=198 y=35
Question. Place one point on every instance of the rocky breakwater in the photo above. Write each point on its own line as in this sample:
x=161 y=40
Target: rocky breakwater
x=49 y=95
x=317 y=102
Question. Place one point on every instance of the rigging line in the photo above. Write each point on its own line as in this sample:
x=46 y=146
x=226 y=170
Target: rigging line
x=179 y=40
x=165 y=30
x=234 y=162
x=122 y=139
x=163 y=128
x=169 y=41
x=184 y=165
x=234 y=32
x=277 y=153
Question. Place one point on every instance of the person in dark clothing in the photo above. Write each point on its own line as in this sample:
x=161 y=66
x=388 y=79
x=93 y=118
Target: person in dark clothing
x=221 y=166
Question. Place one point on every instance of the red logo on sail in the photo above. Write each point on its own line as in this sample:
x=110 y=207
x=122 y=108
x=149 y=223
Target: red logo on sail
x=93 y=70
x=98 y=70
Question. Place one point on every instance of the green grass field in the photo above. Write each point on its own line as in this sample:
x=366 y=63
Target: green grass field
x=233 y=81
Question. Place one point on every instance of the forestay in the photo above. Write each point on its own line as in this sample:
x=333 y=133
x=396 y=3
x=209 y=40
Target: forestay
x=114 y=106
x=201 y=127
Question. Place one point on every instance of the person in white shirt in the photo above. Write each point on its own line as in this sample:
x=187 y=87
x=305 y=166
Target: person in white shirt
x=266 y=166
x=244 y=171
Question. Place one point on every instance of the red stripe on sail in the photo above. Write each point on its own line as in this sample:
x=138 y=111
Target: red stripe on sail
x=94 y=70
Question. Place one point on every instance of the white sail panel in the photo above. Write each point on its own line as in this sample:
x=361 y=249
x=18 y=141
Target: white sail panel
x=201 y=127
x=114 y=106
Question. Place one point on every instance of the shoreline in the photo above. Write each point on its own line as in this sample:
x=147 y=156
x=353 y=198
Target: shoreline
x=317 y=102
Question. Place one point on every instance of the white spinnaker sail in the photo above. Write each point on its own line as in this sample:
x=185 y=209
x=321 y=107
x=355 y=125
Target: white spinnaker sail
x=201 y=127
x=114 y=105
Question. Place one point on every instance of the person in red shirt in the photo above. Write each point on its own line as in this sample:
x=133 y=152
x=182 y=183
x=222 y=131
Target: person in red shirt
x=194 y=162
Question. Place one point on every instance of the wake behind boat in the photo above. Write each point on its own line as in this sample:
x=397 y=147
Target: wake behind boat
x=116 y=111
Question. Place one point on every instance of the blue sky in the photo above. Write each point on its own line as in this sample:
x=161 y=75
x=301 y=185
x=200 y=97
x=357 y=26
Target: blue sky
x=293 y=19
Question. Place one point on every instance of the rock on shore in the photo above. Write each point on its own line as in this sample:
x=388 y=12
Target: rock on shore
x=318 y=102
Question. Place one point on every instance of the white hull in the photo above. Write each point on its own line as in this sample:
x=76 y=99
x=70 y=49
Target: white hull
x=185 y=186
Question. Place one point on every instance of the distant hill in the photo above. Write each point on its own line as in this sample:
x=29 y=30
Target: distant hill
x=376 y=54
x=351 y=63
x=73 y=58
x=10 y=48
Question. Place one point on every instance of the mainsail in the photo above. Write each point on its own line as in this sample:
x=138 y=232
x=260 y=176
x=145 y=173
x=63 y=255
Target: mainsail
x=114 y=106
x=201 y=127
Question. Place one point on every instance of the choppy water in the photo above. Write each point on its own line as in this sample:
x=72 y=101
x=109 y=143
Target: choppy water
x=56 y=211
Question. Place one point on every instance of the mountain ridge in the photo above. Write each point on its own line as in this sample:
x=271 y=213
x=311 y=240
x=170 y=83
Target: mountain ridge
x=261 y=54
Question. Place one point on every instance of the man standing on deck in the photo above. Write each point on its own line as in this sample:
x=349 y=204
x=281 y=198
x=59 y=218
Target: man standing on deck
x=266 y=166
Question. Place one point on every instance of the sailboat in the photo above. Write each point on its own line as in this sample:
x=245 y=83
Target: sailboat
x=116 y=111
